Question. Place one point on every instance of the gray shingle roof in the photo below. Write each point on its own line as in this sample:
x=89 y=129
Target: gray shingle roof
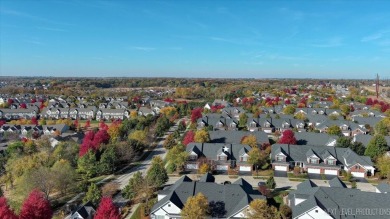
x=234 y=137
x=336 y=182
x=312 y=138
x=235 y=196
x=383 y=187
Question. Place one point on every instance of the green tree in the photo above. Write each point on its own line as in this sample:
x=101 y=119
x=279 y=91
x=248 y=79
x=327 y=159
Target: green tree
x=358 y=148
x=204 y=168
x=195 y=207
x=133 y=187
x=87 y=165
x=107 y=161
x=381 y=128
x=376 y=147
x=243 y=119
x=334 y=130
x=289 y=110
x=345 y=109
x=383 y=164
x=271 y=183
x=202 y=136
x=177 y=156
x=157 y=174
x=259 y=209
x=343 y=142
x=93 y=194
x=169 y=142
x=63 y=175
x=257 y=158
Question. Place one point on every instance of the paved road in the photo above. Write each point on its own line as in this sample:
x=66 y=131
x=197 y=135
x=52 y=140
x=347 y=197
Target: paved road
x=281 y=182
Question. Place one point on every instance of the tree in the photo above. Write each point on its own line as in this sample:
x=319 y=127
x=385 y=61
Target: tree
x=42 y=178
x=63 y=175
x=258 y=209
x=343 y=142
x=249 y=140
x=107 y=210
x=271 y=182
x=101 y=137
x=133 y=187
x=157 y=174
x=182 y=126
x=358 y=148
x=86 y=165
x=107 y=161
x=189 y=137
x=178 y=156
x=334 y=130
x=195 y=207
x=138 y=135
x=289 y=110
x=93 y=194
x=243 y=119
x=285 y=211
x=300 y=116
x=204 y=168
x=383 y=164
x=5 y=210
x=376 y=147
x=202 y=136
x=114 y=131
x=257 y=158
x=196 y=114
x=345 y=109
x=288 y=137
x=381 y=128
x=36 y=207
x=169 y=142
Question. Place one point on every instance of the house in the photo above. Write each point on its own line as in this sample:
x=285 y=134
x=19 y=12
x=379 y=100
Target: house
x=233 y=112
x=108 y=114
x=13 y=114
x=235 y=137
x=55 y=113
x=367 y=113
x=318 y=111
x=348 y=128
x=217 y=122
x=55 y=129
x=144 y=111
x=82 y=113
x=312 y=201
x=320 y=160
x=232 y=199
x=383 y=188
x=270 y=125
x=220 y=156
x=317 y=139
x=10 y=129
x=86 y=211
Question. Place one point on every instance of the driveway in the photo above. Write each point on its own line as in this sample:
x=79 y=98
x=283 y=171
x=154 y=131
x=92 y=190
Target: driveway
x=320 y=177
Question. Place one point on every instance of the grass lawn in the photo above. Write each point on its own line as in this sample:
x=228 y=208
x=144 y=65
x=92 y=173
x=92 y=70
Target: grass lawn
x=300 y=176
x=97 y=179
x=137 y=213
x=269 y=172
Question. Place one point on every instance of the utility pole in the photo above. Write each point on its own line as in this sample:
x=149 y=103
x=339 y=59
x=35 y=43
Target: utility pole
x=377 y=86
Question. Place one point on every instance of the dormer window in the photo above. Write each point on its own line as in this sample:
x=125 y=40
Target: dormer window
x=267 y=125
x=232 y=125
x=279 y=158
x=331 y=162
x=313 y=160
x=321 y=112
x=253 y=124
x=222 y=157
x=344 y=127
x=219 y=125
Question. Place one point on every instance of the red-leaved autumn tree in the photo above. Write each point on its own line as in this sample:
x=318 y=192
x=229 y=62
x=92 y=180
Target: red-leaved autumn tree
x=34 y=120
x=5 y=211
x=107 y=210
x=36 y=207
x=288 y=137
x=196 y=114
x=23 y=106
x=92 y=141
x=190 y=137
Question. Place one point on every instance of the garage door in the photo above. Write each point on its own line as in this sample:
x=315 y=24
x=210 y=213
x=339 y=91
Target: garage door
x=358 y=174
x=191 y=166
x=313 y=170
x=222 y=167
x=245 y=168
x=281 y=168
x=331 y=172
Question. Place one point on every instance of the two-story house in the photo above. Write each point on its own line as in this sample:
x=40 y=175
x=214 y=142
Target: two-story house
x=222 y=156
x=320 y=160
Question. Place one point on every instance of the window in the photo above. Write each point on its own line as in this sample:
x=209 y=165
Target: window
x=160 y=217
x=193 y=157
x=279 y=158
x=331 y=162
x=314 y=161
x=169 y=205
x=244 y=159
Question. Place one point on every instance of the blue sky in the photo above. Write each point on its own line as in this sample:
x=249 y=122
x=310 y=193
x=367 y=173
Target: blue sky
x=235 y=39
